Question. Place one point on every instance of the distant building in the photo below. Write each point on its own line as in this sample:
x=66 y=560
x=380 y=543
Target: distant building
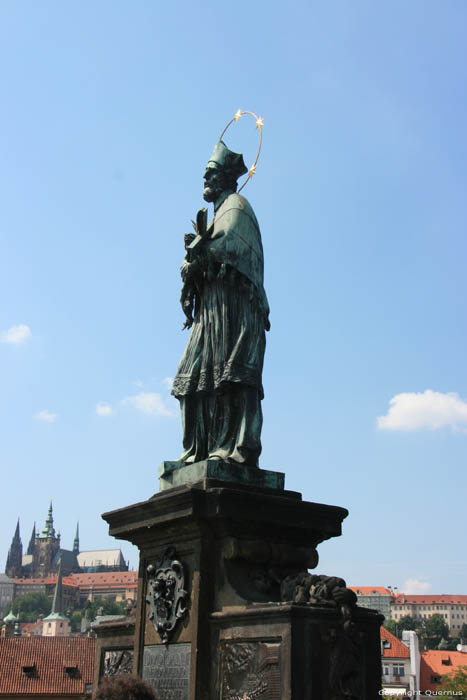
x=46 y=667
x=23 y=586
x=7 y=591
x=374 y=597
x=117 y=586
x=78 y=588
x=453 y=608
x=56 y=624
x=400 y=661
x=101 y=560
x=44 y=553
x=31 y=629
x=395 y=664
x=436 y=664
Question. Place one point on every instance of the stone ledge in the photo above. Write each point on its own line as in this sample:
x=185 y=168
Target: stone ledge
x=172 y=474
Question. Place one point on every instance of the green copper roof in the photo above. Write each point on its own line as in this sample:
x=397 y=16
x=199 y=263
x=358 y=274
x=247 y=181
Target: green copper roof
x=11 y=617
x=55 y=616
x=49 y=530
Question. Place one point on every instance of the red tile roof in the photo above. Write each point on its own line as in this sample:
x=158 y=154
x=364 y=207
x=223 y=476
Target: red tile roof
x=112 y=578
x=370 y=590
x=431 y=599
x=397 y=650
x=48 y=656
x=439 y=663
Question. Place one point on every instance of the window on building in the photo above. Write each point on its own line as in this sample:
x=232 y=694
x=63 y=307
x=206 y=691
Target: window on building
x=385 y=669
x=436 y=679
x=398 y=669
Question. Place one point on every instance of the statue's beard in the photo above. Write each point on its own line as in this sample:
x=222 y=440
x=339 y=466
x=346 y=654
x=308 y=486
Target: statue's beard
x=210 y=194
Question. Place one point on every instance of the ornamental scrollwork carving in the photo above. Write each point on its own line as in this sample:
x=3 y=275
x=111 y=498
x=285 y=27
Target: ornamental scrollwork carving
x=166 y=594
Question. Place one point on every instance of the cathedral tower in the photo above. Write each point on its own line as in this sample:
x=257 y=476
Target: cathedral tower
x=46 y=547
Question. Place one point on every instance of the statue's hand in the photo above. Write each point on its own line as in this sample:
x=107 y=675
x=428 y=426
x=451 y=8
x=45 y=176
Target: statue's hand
x=188 y=238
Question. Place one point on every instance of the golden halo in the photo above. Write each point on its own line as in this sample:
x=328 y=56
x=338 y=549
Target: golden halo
x=259 y=125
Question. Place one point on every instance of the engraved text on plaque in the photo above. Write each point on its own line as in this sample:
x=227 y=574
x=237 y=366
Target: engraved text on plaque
x=167 y=669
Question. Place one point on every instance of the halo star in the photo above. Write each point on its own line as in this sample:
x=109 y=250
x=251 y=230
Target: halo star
x=259 y=126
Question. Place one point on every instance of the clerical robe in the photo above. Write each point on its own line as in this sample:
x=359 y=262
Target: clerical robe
x=219 y=379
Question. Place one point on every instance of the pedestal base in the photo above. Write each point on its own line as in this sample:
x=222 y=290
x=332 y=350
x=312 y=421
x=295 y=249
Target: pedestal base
x=210 y=624
x=178 y=473
x=295 y=652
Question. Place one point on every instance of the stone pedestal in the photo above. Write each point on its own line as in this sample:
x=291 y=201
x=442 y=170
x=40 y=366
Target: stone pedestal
x=210 y=620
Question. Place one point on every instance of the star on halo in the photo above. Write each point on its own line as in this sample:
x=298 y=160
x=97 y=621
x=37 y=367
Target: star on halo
x=238 y=114
x=259 y=122
x=252 y=171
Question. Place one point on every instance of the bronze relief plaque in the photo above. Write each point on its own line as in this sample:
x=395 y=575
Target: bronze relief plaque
x=117 y=662
x=167 y=669
x=250 y=670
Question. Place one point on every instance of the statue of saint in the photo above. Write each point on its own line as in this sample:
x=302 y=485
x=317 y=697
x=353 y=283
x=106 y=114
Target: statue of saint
x=218 y=382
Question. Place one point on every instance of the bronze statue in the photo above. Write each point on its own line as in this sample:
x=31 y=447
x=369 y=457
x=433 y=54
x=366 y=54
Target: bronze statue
x=219 y=378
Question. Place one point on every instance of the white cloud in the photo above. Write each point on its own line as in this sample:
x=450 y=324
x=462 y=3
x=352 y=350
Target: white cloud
x=431 y=410
x=413 y=586
x=104 y=409
x=16 y=335
x=168 y=381
x=46 y=416
x=149 y=403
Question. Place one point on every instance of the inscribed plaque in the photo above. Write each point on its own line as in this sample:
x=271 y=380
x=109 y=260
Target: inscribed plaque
x=167 y=669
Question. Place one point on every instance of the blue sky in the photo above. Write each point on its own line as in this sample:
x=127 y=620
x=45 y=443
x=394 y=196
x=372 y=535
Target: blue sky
x=110 y=112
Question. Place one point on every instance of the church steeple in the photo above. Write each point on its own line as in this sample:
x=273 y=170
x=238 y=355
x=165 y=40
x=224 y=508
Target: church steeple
x=76 y=540
x=32 y=541
x=49 y=530
x=56 y=624
x=57 y=604
x=14 y=562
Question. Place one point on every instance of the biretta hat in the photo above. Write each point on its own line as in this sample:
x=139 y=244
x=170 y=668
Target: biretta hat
x=228 y=160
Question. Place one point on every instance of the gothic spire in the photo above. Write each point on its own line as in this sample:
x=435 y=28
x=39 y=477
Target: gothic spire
x=32 y=540
x=49 y=530
x=57 y=604
x=76 y=540
x=13 y=566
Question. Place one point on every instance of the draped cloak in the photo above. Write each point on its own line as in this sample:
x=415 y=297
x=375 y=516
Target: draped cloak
x=227 y=340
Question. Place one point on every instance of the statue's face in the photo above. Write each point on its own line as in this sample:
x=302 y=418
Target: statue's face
x=213 y=183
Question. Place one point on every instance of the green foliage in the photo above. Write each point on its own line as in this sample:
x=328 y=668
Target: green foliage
x=31 y=605
x=435 y=630
x=463 y=633
x=407 y=623
x=110 y=607
x=437 y=626
x=75 y=621
x=391 y=626
x=456 y=682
